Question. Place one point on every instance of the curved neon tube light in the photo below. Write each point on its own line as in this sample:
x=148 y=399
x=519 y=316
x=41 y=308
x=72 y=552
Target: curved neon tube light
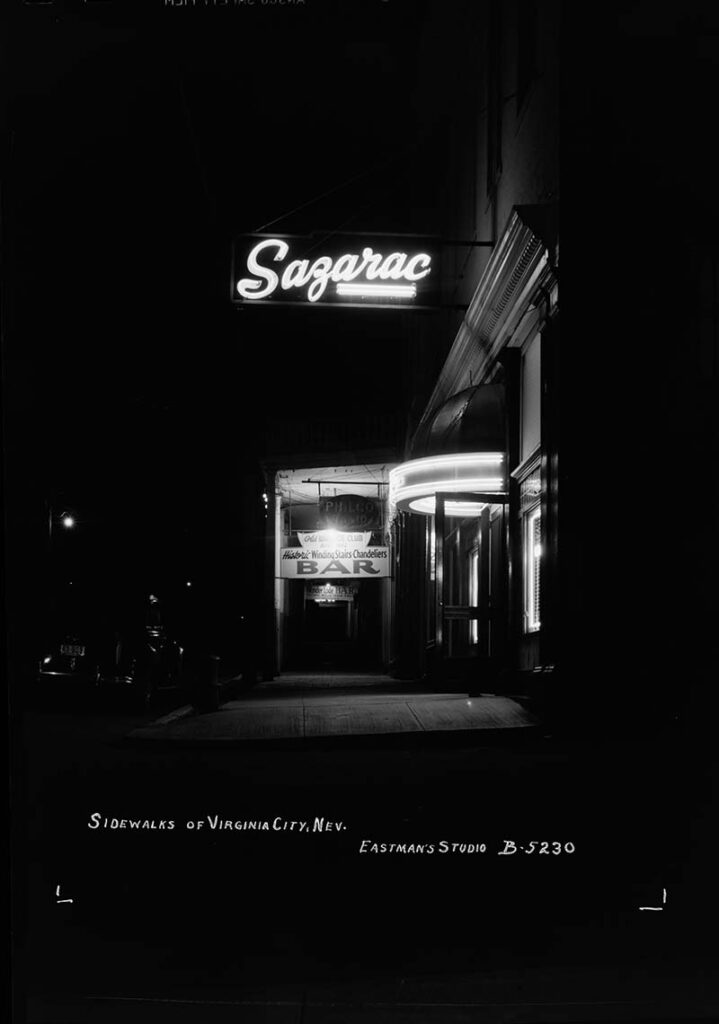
x=452 y=508
x=414 y=485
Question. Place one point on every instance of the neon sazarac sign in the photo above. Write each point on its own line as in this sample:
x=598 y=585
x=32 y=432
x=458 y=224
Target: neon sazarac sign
x=342 y=270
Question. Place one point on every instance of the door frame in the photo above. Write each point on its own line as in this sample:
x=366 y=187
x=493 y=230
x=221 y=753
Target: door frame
x=444 y=611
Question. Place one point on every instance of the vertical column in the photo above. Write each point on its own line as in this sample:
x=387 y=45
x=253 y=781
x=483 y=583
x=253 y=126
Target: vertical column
x=410 y=618
x=269 y=653
x=440 y=578
x=511 y=361
x=549 y=579
x=485 y=623
x=250 y=574
x=280 y=585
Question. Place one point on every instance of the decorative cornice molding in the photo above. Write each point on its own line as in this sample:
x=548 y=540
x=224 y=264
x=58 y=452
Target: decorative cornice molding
x=531 y=463
x=519 y=271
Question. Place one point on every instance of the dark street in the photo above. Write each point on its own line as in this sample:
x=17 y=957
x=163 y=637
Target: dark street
x=288 y=917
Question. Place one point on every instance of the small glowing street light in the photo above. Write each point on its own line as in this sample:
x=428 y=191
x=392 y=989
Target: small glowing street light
x=56 y=519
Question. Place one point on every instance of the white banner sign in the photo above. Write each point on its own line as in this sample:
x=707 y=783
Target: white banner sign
x=333 y=539
x=331 y=591
x=334 y=564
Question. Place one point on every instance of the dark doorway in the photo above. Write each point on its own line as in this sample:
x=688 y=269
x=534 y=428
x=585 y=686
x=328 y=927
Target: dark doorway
x=327 y=623
x=343 y=634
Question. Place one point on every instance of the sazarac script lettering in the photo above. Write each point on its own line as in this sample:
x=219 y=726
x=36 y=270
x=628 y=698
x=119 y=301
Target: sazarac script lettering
x=367 y=267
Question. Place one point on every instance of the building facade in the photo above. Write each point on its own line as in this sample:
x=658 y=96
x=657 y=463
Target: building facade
x=467 y=494
x=480 y=572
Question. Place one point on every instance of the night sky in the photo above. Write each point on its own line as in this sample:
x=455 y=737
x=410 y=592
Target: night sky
x=140 y=142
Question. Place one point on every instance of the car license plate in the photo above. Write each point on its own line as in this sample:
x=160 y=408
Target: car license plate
x=72 y=650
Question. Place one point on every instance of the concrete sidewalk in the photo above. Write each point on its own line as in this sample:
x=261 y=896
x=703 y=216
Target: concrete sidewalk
x=321 y=707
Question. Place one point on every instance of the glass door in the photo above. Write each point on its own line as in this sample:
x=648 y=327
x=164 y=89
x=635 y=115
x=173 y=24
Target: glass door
x=470 y=577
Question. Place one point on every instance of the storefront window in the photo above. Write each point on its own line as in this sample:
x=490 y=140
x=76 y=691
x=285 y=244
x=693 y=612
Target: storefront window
x=430 y=616
x=474 y=594
x=532 y=566
x=431 y=548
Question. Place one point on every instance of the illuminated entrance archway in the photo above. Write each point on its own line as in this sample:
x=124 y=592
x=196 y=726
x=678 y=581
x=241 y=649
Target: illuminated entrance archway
x=463 y=496
x=333 y=567
x=415 y=484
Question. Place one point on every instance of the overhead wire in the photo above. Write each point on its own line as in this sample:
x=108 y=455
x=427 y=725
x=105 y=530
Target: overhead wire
x=337 y=188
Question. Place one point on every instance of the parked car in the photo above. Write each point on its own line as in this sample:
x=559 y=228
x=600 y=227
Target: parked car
x=74 y=658
x=130 y=661
x=144 y=661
